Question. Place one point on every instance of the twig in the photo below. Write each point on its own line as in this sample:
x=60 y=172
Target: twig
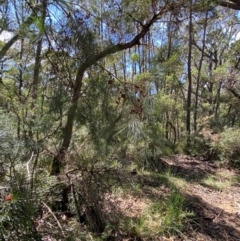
x=27 y=166
x=218 y=214
x=50 y=211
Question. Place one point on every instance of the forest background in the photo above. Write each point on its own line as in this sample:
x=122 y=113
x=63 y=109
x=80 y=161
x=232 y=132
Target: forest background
x=93 y=91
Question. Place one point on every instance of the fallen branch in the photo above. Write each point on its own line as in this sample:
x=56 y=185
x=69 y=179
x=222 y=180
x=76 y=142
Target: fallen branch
x=54 y=216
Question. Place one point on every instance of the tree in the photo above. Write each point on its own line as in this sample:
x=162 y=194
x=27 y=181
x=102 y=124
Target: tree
x=189 y=72
x=90 y=89
x=93 y=59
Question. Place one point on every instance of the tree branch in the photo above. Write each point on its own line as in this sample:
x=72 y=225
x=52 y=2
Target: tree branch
x=233 y=4
x=25 y=24
x=8 y=45
x=234 y=93
x=122 y=46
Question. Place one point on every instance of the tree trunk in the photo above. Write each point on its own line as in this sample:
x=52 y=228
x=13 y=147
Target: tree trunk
x=37 y=65
x=199 y=74
x=189 y=70
x=67 y=133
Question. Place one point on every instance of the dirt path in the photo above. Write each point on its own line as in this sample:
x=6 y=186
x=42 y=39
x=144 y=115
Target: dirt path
x=213 y=194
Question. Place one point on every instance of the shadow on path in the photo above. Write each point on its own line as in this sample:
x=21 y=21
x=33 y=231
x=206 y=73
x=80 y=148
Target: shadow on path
x=213 y=221
x=213 y=218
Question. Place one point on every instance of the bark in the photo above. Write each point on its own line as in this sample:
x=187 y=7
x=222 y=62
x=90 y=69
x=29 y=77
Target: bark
x=139 y=60
x=37 y=65
x=166 y=125
x=217 y=101
x=124 y=61
x=168 y=57
x=21 y=69
x=174 y=132
x=189 y=73
x=67 y=134
x=210 y=86
x=199 y=74
x=20 y=84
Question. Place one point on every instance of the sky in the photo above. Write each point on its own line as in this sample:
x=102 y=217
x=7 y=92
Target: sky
x=5 y=36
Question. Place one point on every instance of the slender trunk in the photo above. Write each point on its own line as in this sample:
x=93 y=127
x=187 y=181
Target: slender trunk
x=20 y=84
x=139 y=59
x=37 y=65
x=166 y=125
x=67 y=133
x=115 y=70
x=21 y=69
x=218 y=100
x=233 y=119
x=149 y=51
x=174 y=132
x=124 y=66
x=189 y=73
x=168 y=57
x=199 y=74
x=210 y=98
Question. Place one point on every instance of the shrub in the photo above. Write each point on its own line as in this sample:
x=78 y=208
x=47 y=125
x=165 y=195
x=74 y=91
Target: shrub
x=18 y=210
x=227 y=146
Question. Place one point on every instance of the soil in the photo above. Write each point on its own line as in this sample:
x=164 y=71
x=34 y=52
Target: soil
x=217 y=210
x=216 y=207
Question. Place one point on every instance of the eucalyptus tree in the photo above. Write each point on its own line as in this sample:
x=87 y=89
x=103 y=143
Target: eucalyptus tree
x=189 y=71
x=214 y=61
x=167 y=71
x=199 y=68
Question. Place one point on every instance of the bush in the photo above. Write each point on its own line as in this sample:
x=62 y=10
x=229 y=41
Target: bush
x=227 y=146
x=18 y=210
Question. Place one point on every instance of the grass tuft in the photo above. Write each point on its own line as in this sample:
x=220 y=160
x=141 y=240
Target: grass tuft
x=162 y=217
x=219 y=182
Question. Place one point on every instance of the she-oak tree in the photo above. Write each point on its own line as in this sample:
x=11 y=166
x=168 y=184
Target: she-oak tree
x=90 y=61
x=141 y=16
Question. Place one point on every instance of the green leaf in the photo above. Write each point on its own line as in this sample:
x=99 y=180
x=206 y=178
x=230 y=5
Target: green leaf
x=134 y=57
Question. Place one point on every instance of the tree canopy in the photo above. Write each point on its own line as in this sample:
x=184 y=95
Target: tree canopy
x=91 y=90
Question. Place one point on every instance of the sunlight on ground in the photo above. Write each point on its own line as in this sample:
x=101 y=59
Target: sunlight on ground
x=220 y=181
x=153 y=206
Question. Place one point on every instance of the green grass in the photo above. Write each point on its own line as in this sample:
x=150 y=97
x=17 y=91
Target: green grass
x=220 y=181
x=163 y=214
x=162 y=217
x=172 y=181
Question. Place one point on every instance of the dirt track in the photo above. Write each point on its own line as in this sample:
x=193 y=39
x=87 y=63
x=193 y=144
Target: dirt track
x=217 y=211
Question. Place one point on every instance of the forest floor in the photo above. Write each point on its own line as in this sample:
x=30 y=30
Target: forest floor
x=184 y=199
x=211 y=192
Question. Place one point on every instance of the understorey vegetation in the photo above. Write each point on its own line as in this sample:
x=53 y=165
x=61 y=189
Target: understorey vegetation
x=116 y=116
